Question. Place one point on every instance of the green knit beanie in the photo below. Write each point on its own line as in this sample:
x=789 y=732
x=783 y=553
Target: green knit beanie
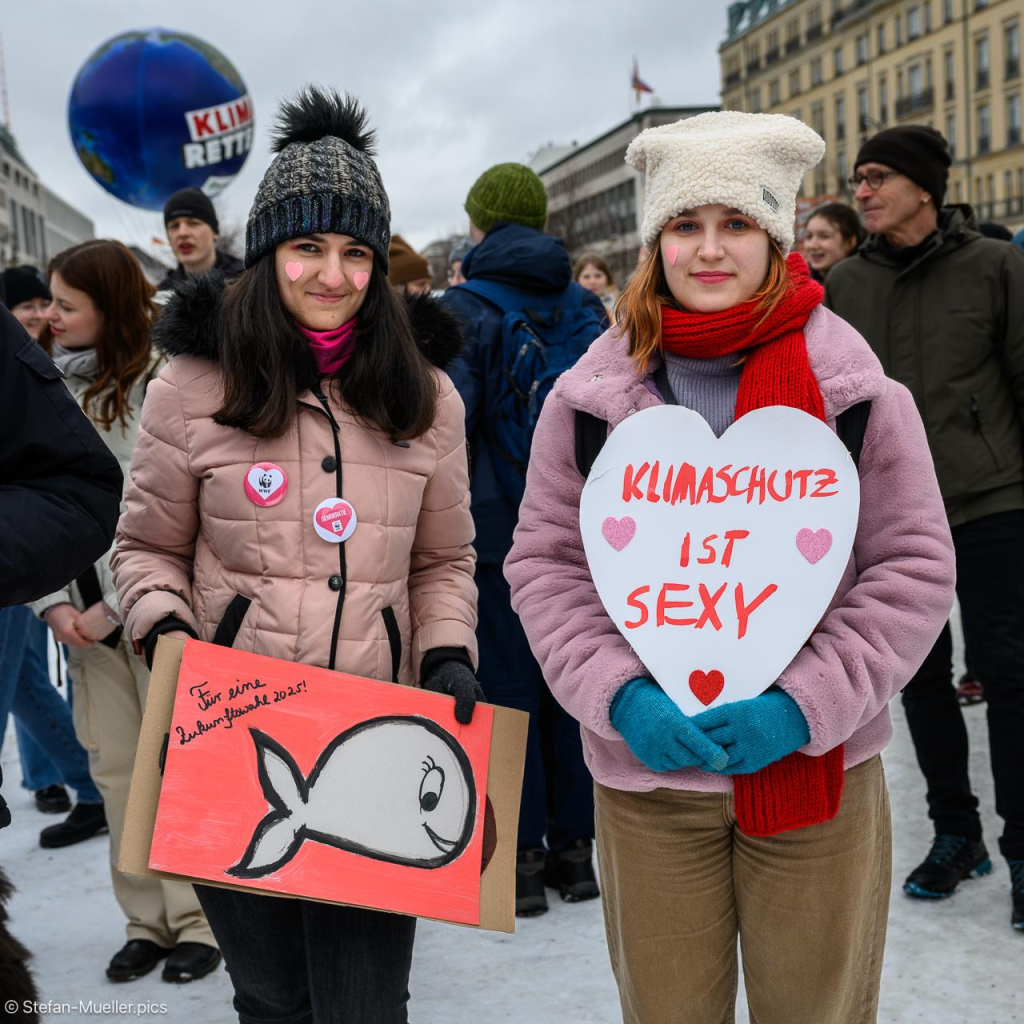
x=508 y=194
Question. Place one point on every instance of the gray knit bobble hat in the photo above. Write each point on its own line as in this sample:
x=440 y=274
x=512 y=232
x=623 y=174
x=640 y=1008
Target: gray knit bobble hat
x=323 y=178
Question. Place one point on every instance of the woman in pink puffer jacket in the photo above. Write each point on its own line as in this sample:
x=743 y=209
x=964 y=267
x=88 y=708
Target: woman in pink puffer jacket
x=300 y=489
x=763 y=820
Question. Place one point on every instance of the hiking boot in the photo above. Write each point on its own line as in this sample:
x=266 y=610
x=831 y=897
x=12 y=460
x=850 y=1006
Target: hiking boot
x=53 y=800
x=134 y=959
x=570 y=870
x=84 y=822
x=1017 y=893
x=969 y=691
x=190 y=961
x=531 y=900
x=950 y=860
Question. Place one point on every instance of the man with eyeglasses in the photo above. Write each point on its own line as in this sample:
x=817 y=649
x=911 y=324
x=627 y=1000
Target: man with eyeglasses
x=943 y=308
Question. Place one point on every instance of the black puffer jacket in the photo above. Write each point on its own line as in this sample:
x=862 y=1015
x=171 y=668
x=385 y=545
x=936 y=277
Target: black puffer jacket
x=949 y=324
x=60 y=488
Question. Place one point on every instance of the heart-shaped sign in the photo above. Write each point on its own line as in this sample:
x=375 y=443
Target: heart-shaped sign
x=334 y=520
x=265 y=484
x=737 y=545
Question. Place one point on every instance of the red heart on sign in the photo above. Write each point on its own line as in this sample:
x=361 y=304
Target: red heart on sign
x=706 y=686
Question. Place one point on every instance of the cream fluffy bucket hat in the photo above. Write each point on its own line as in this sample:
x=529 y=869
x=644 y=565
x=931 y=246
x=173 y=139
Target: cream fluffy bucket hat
x=751 y=162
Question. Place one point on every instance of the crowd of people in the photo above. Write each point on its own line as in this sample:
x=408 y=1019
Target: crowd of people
x=478 y=405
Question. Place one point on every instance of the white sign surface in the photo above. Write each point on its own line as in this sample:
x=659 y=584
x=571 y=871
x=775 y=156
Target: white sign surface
x=716 y=558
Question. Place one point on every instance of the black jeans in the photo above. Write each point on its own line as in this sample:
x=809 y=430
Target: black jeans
x=298 y=962
x=990 y=585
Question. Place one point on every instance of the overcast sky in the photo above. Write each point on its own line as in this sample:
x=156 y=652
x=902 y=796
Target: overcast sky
x=452 y=87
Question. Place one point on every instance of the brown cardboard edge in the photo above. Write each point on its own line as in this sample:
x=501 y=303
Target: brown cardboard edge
x=504 y=788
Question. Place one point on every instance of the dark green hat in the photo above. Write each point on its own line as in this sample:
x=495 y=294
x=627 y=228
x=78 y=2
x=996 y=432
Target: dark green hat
x=508 y=194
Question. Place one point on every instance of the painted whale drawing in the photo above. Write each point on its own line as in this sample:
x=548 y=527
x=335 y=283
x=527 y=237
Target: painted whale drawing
x=395 y=788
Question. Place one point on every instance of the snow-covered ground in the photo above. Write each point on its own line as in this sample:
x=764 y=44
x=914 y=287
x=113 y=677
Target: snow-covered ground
x=951 y=962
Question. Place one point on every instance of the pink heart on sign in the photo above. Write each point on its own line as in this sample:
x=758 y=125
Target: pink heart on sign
x=359 y=279
x=619 y=532
x=293 y=270
x=672 y=253
x=329 y=515
x=814 y=545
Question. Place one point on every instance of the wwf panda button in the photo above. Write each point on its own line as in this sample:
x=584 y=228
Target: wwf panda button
x=265 y=484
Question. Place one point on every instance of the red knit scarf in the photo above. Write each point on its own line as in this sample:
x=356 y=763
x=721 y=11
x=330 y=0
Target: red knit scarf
x=798 y=790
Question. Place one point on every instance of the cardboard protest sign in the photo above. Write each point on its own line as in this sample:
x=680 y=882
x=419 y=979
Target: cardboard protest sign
x=717 y=557
x=305 y=782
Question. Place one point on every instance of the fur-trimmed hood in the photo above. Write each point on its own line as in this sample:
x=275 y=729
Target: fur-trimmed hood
x=187 y=323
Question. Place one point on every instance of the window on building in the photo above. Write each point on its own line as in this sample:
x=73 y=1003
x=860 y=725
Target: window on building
x=840 y=107
x=1007 y=188
x=984 y=122
x=774 y=92
x=981 y=62
x=818 y=117
x=755 y=100
x=837 y=56
x=951 y=134
x=990 y=190
x=899 y=87
x=915 y=82
x=842 y=171
x=794 y=82
x=926 y=9
x=899 y=30
x=947 y=11
x=1020 y=184
x=959 y=191
x=772 y=53
x=820 y=186
x=949 y=73
x=862 y=49
x=792 y=35
x=883 y=100
x=1011 y=47
x=881 y=40
x=814 y=29
x=816 y=72
x=913 y=23
x=1013 y=120
x=863 y=108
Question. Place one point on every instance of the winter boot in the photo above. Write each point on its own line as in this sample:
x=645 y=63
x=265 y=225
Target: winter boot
x=1017 y=892
x=134 y=959
x=969 y=691
x=84 y=822
x=531 y=900
x=570 y=870
x=53 y=800
x=950 y=860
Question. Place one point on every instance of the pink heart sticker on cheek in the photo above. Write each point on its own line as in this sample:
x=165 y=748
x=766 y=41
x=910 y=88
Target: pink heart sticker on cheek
x=293 y=270
x=359 y=279
x=672 y=253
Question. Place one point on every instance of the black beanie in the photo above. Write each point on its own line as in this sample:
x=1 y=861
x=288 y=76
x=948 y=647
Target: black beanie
x=20 y=284
x=919 y=152
x=191 y=202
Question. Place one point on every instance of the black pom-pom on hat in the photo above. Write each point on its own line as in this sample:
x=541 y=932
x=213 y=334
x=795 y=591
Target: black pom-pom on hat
x=317 y=114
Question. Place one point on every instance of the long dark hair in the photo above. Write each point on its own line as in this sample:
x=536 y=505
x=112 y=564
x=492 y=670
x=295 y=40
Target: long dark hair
x=266 y=360
x=111 y=276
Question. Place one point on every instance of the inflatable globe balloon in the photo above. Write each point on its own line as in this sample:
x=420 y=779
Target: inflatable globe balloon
x=155 y=111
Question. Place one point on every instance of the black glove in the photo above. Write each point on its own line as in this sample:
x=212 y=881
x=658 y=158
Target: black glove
x=449 y=670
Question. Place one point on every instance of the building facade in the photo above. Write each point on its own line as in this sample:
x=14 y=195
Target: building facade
x=850 y=67
x=595 y=200
x=35 y=223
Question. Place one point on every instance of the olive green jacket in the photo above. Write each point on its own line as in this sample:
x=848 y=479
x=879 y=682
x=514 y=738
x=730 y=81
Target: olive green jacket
x=950 y=326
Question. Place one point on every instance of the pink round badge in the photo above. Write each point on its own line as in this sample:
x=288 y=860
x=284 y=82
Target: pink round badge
x=265 y=484
x=334 y=520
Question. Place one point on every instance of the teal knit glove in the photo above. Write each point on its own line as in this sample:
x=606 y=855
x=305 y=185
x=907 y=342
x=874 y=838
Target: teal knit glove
x=658 y=733
x=755 y=733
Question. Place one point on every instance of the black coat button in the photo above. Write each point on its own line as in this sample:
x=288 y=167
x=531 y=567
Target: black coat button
x=336 y=582
x=330 y=464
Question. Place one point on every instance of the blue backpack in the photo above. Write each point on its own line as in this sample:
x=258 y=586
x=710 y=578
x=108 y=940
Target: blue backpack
x=541 y=336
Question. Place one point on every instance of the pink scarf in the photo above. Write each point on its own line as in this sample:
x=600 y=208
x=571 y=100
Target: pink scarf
x=332 y=349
